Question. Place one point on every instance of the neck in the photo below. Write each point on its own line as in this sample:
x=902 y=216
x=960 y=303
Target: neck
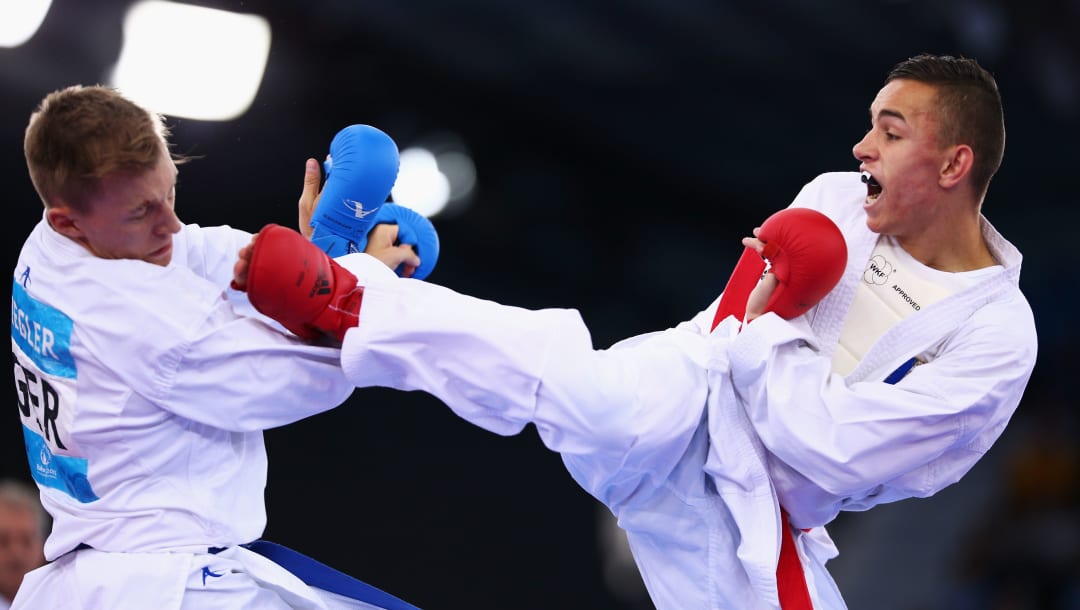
x=955 y=245
x=952 y=241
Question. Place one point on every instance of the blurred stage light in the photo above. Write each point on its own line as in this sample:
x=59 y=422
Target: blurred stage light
x=420 y=185
x=437 y=176
x=460 y=170
x=190 y=61
x=19 y=19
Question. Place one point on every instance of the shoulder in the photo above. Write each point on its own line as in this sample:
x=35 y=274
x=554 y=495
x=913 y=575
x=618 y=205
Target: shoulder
x=838 y=195
x=196 y=235
x=832 y=190
x=209 y=252
x=132 y=301
x=204 y=249
x=1009 y=314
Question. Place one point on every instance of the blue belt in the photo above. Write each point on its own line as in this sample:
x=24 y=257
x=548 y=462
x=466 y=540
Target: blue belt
x=316 y=574
x=901 y=371
x=322 y=576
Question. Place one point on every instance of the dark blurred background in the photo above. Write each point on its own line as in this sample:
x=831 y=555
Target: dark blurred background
x=621 y=151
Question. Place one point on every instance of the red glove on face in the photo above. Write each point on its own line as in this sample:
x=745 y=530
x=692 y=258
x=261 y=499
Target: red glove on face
x=808 y=256
x=294 y=282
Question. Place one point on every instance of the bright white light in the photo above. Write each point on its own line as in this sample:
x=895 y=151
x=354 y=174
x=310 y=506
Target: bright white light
x=19 y=19
x=190 y=61
x=420 y=185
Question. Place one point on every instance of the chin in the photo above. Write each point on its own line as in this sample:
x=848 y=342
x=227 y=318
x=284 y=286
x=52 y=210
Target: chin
x=873 y=225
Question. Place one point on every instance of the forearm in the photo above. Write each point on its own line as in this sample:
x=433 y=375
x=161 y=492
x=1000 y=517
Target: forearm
x=851 y=437
x=843 y=437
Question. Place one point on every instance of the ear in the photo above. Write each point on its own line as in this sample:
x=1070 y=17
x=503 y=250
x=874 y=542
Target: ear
x=65 y=221
x=956 y=165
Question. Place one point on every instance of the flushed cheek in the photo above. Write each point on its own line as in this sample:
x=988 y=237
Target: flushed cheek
x=133 y=246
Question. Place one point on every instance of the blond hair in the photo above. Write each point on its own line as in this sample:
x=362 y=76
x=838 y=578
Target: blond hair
x=80 y=134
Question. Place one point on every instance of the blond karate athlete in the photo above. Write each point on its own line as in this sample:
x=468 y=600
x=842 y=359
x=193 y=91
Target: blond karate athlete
x=144 y=382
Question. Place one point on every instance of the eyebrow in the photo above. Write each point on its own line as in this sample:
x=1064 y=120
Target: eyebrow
x=885 y=112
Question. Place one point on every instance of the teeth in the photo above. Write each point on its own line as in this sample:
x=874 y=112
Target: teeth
x=866 y=177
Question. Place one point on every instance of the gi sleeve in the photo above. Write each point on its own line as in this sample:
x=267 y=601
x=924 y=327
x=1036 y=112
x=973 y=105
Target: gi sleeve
x=852 y=442
x=171 y=336
x=240 y=374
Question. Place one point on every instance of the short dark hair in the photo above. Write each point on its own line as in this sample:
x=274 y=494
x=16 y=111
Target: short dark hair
x=969 y=104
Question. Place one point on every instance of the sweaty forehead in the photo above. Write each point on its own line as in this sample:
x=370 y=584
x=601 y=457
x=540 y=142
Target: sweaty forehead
x=130 y=188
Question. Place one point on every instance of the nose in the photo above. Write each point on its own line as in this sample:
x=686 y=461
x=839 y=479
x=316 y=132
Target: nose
x=170 y=222
x=862 y=149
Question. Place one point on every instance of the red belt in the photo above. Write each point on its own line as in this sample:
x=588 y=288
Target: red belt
x=790 y=579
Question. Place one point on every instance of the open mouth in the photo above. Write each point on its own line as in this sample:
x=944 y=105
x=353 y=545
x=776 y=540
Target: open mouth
x=873 y=189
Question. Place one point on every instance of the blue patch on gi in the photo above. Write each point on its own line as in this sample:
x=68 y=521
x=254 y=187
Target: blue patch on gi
x=67 y=474
x=42 y=332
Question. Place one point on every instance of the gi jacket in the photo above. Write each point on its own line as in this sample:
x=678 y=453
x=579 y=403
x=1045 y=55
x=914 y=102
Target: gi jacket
x=144 y=392
x=694 y=438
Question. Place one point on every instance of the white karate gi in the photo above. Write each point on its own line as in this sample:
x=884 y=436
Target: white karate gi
x=143 y=396
x=692 y=436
